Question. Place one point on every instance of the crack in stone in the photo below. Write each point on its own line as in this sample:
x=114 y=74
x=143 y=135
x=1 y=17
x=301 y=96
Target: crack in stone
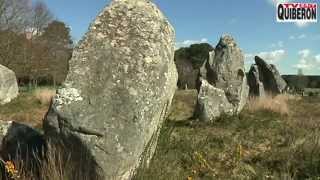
x=87 y=131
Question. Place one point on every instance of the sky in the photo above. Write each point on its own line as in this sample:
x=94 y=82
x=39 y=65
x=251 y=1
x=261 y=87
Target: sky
x=252 y=23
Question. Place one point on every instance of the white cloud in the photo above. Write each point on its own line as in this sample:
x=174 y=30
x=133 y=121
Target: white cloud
x=317 y=58
x=305 y=53
x=249 y=59
x=292 y=37
x=273 y=56
x=302 y=65
x=307 y=61
x=302 y=24
x=233 y=21
x=269 y=56
x=187 y=43
x=300 y=36
x=203 y=40
x=279 y=44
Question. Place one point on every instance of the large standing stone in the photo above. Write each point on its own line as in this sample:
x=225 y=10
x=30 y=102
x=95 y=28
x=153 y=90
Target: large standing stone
x=224 y=88
x=8 y=85
x=118 y=92
x=256 y=86
x=268 y=75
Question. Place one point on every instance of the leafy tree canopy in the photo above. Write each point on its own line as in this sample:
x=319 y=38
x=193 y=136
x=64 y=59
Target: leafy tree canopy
x=196 y=54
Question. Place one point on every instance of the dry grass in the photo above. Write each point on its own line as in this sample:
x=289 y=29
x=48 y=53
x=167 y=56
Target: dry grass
x=277 y=104
x=52 y=167
x=252 y=145
x=44 y=95
x=183 y=105
x=29 y=107
x=56 y=163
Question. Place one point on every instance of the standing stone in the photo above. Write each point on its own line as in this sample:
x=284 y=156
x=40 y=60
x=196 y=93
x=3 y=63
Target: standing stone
x=270 y=77
x=212 y=102
x=188 y=61
x=206 y=69
x=224 y=88
x=8 y=85
x=187 y=76
x=256 y=86
x=118 y=92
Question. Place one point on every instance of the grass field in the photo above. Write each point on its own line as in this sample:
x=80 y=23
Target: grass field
x=273 y=138
x=260 y=143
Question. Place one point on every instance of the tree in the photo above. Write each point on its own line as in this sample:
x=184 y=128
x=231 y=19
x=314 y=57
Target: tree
x=34 y=56
x=14 y=14
x=41 y=17
x=58 y=46
x=196 y=54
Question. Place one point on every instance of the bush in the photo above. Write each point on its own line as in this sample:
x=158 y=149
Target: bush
x=277 y=104
x=44 y=95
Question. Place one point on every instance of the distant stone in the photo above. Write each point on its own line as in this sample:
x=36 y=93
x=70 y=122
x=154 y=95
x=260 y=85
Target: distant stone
x=212 y=102
x=187 y=74
x=206 y=71
x=8 y=85
x=183 y=105
x=256 y=86
x=188 y=61
x=223 y=84
x=268 y=75
x=117 y=93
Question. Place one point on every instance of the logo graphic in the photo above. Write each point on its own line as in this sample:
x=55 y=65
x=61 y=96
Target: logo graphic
x=297 y=12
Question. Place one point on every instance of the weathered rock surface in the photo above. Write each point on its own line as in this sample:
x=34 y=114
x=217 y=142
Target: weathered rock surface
x=118 y=92
x=8 y=85
x=224 y=88
x=212 y=102
x=183 y=105
x=267 y=75
x=256 y=86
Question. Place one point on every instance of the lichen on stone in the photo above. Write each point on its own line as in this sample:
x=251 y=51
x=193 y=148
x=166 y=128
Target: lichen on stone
x=66 y=96
x=4 y=127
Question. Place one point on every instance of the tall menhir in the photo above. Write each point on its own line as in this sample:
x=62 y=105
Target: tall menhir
x=117 y=93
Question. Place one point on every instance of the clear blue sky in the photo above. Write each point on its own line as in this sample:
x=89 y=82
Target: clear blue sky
x=251 y=22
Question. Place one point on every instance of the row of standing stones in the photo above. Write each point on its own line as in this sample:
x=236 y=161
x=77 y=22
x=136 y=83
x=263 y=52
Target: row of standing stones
x=118 y=92
x=224 y=85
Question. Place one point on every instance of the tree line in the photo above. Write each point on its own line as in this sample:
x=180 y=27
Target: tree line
x=33 y=44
